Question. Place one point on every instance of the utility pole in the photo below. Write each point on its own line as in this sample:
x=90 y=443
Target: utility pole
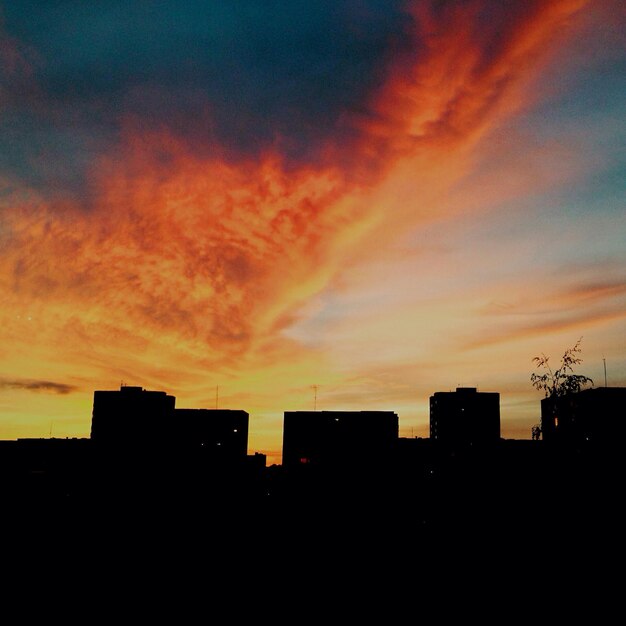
x=604 y=361
x=217 y=395
x=315 y=396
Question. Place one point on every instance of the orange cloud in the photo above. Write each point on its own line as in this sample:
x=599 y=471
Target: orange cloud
x=469 y=71
x=183 y=267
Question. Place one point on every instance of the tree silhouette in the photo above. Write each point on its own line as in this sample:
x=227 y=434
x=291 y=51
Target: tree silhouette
x=562 y=380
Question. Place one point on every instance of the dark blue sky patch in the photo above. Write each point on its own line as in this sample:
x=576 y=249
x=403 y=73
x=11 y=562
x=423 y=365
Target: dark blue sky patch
x=246 y=76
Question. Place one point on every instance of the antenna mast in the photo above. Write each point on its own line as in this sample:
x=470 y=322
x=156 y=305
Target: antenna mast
x=604 y=361
x=315 y=397
x=217 y=394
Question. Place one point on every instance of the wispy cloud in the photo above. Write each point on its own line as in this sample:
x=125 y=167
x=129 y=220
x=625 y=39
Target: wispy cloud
x=174 y=199
x=45 y=386
x=220 y=250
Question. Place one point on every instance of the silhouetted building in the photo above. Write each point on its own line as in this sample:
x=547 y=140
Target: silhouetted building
x=338 y=437
x=595 y=415
x=465 y=416
x=34 y=469
x=220 y=432
x=134 y=430
x=131 y=415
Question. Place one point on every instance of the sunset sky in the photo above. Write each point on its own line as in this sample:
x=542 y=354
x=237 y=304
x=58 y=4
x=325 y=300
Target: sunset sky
x=356 y=203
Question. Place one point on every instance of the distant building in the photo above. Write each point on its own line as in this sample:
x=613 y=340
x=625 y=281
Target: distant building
x=131 y=415
x=220 y=432
x=338 y=437
x=596 y=415
x=33 y=469
x=465 y=416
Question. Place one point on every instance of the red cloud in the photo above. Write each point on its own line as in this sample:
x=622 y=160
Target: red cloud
x=219 y=253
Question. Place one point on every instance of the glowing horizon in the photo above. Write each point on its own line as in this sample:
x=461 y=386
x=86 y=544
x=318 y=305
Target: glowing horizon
x=384 y=200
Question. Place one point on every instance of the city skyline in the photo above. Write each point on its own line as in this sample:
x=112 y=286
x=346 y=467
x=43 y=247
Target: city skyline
x=345 y=206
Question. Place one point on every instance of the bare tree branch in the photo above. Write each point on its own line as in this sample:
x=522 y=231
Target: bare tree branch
x=562 y=380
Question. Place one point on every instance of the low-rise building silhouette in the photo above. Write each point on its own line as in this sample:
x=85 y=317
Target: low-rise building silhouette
x=595 y=415
x=220 y=432
x=193 y=464
x=338 y=437
x=465 y=416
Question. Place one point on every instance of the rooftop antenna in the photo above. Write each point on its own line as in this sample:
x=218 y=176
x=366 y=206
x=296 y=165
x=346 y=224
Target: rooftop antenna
x=604 y=361
x=315 y=396
x=217 y=394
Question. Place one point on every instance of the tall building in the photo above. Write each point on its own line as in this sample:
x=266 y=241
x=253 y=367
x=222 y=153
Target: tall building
x=140 y=419
x=465 y=416
x=338 y=437
x=131 y=415
x=596 y=415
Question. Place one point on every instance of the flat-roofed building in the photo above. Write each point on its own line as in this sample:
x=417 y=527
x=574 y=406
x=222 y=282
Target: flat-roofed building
x=338 y=437
x=465 y=416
